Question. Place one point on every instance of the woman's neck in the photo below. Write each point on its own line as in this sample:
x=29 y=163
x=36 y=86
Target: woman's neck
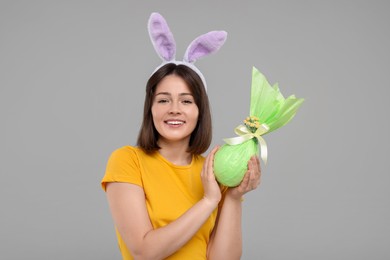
x=176 y=153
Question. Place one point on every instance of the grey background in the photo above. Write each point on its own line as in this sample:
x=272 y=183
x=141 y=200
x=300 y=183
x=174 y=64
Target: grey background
x=72 y=84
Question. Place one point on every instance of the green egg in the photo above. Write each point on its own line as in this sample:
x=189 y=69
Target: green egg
x=231 y=162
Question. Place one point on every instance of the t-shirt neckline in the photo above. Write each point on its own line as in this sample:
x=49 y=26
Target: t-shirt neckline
x=160 y=156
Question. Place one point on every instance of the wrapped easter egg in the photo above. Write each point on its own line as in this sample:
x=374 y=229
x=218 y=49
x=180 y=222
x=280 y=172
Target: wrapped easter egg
x=269 y=110
x=232 y=162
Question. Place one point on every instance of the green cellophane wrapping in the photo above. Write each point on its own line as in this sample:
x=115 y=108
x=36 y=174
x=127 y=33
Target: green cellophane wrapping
x=273 y=110
x=268 y=103
x=238 y=157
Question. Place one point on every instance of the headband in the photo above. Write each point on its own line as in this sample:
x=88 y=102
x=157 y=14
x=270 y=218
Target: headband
x=165 y=46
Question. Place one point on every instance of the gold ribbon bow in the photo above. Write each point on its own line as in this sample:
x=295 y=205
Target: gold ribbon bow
x=245 y=134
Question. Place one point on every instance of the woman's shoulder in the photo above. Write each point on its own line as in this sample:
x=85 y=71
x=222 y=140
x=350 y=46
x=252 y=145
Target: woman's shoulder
x=126 y=151
x=129 y=151
x=123 y=166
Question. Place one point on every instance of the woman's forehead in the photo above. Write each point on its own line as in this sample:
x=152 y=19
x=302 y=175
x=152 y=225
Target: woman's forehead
x=172 y=84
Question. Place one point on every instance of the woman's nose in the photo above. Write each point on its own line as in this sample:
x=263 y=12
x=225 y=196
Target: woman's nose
x=174 y=108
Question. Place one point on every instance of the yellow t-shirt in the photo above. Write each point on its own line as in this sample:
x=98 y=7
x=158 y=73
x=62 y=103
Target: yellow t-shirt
x=170 y=191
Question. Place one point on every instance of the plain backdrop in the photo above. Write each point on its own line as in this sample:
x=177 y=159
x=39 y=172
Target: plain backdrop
x=72 y=81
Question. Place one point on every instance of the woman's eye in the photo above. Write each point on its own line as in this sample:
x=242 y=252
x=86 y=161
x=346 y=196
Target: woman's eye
x=161 y=101
x=188 y=101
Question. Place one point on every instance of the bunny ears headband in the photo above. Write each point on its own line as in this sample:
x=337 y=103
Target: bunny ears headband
x=165 y=46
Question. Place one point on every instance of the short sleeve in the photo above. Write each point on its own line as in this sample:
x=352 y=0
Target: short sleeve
x=123 y=166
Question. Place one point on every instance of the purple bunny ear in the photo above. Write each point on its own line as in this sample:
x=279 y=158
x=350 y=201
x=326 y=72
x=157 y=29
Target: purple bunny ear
x=161 y=37
x=204 y=45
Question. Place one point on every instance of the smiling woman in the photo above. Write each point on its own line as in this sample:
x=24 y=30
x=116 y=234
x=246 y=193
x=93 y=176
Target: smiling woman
x=163 y=195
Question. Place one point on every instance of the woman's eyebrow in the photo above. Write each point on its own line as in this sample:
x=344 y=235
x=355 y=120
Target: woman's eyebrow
x=169 y=94
x=163 y=93
x=185 y=94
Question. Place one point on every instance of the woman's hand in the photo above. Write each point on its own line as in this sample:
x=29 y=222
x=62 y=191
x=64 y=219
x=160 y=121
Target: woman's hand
x=250 y=181
x=212 y=192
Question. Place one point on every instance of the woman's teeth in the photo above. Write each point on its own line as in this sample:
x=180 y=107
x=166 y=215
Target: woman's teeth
x=174 y=122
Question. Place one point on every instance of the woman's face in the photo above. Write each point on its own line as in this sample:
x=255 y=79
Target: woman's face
x=174 y=111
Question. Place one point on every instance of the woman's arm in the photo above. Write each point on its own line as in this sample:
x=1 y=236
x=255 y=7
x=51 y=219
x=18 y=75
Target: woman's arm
x=128 y=208
x=226 y=239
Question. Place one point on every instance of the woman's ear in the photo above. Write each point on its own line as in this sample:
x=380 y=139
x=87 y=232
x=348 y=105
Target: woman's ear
x=161 y=37
x=205 y=45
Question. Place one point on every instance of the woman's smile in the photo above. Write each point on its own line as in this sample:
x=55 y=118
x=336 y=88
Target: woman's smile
x=174 y=122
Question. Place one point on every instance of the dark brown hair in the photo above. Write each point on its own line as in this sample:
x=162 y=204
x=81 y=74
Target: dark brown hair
x=201 y=136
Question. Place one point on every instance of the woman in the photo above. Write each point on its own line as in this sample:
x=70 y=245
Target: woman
x=163 y=196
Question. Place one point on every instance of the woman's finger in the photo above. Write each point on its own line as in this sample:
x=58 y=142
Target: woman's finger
x=254 y=170
x=245 y=182
x=204 y=167
x=210 y=162
x=257 y=166
x=207 y=169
